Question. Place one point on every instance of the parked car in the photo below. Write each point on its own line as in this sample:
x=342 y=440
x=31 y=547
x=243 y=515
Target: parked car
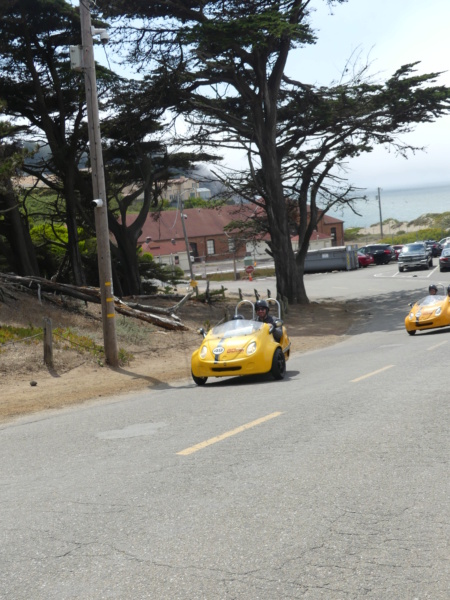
x=445 y=240
x=397 y=250
x=364 y=260
x=415 y=256
x=430 y=312
x=382 y=253
x=434 y=246
x=444 y=260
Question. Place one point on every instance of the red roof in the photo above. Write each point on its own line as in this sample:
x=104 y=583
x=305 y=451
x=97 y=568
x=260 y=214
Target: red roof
x=199 y=222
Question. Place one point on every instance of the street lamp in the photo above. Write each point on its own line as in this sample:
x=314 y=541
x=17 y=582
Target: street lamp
x=232 y=248
x=188 y=250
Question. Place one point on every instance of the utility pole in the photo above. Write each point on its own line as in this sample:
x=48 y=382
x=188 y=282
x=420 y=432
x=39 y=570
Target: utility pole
x=381 y=218
x=98 y=183
x=188 y=249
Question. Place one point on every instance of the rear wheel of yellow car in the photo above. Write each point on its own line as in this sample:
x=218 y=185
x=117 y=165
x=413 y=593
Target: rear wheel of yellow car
x=199 y=380
x=413 y=332
x=278 y=369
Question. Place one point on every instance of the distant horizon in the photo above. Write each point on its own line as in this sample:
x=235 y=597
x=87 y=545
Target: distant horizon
x=392 y=188
x=402 y=204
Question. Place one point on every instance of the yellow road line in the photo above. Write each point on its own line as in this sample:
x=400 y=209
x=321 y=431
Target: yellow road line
x=436 y=346
x=371 y=374
x=228 y=434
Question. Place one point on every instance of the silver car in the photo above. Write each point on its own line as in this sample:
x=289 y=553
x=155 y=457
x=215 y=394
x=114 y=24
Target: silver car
x=415 y=256
x=444 y=260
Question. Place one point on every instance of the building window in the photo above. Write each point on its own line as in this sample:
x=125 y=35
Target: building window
x=210 y=247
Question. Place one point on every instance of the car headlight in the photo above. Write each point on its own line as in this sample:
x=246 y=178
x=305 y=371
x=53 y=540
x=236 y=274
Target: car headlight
x=438 y=311
x=411 y=316
x=203 y=351
x=418 y=314
x=251 y=348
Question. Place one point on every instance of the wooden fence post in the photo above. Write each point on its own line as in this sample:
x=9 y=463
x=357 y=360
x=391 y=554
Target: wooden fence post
x=48 y=342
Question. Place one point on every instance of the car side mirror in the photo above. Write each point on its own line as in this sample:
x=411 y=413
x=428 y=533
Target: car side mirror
x=278 y=323
x=202 y=332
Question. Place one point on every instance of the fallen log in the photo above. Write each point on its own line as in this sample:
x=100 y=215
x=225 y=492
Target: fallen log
x=123 y=309
x=91 y=294
x=157 y=309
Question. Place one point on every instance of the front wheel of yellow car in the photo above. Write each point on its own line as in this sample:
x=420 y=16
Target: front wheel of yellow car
x=413 y=332
x=199 y=380
x=278 y=364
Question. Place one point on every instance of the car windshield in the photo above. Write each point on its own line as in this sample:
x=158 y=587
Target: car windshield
x=413 y=248
x=236 y=328
x=430 y=300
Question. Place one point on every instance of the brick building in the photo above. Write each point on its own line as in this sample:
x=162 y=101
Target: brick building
x=207 y=239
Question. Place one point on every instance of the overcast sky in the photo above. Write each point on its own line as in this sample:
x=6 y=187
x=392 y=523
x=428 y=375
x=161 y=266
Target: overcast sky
x=388 y=33
x=392 y=33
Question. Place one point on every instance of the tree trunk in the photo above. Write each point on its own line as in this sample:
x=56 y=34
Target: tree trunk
x=72 y=229
x=16 y=231
x=289 y=283
x=127 y=264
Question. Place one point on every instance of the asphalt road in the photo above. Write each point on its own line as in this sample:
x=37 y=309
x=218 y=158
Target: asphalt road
x=332 y=484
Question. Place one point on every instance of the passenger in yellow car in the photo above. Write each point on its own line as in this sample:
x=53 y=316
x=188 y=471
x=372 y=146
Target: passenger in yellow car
x=432 y=290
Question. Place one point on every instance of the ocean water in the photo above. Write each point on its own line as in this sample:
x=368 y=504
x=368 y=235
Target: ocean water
x=402 y=204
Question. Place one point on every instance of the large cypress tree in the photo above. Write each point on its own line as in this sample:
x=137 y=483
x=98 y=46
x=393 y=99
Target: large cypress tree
x=229 y=59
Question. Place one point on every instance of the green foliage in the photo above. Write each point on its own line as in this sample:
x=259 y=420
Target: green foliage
x=201 y=203
x=29 y=335
x=149 y=269
x=435 y=226
x=352 y=234
x=172 y=274
x=51 y=244
x=41 y=205
x=162 y=205
x=65 y=339
x=414 y=236
x=132 y=330
x=248 y=29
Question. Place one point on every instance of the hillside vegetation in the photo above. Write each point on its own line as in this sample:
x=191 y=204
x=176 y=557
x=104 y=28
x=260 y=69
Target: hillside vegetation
x=430 y=226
